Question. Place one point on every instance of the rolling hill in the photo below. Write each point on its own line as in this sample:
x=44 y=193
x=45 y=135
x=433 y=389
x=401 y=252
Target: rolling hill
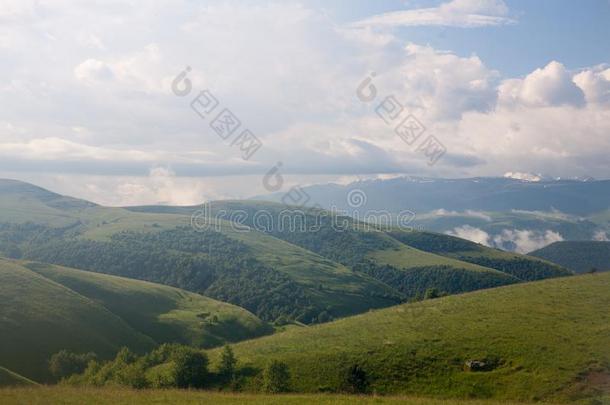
x=544 y=340
x=525 y=268
x=83 y=312
x=342 y=267
x=392 y=256
x=578 y=256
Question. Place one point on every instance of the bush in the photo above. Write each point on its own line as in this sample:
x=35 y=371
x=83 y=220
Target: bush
x=190 y=369
x=65 y=364
x=356 y=380
x=276 y=377
x=227 y=364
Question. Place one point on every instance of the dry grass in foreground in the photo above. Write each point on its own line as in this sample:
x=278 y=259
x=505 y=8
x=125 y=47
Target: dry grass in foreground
x=119 y=396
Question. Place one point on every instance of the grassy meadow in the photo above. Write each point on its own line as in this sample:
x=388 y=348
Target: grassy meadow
x=546 y=340
x=118 y=396
x=89 y=312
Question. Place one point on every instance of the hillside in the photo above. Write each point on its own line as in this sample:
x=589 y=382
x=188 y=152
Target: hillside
x=261 y=273
x=83 y=312
x=10 y=379
x=542 y=340
x=526 y=268
x=274 y=270
x=395 y=258
x=578 y=256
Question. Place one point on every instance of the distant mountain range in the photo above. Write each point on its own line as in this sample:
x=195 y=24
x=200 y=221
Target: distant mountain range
x=508 y=213
x=422 y=195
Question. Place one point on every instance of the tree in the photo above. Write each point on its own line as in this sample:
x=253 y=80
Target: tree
x=65 y=363
x=431 y=293
x=191 y=368
x=276 y=377
x=228 y=361
x=356 y=379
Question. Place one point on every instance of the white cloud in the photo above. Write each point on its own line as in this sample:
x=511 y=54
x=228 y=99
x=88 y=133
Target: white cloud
x=552 y=85
x=468 y=213
x=523 y=176
x=595 y=83
x=456 y=13
x=92 y=71
x=471 y=233
x=517 y=240
x=525 y=241
x=100 y=93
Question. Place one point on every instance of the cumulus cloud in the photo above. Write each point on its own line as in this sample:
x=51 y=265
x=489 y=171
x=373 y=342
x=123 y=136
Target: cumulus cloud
x=471 y=233
x=515 y=240
x=595 y=83
x=552 y=85
x=524 y=240
x=455 y=13
x=92 y=70
x=92 y=94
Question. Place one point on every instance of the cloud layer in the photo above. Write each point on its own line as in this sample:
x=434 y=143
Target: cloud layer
x=88 y=93
x=455 y=13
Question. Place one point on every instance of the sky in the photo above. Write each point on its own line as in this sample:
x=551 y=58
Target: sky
x=178 y=102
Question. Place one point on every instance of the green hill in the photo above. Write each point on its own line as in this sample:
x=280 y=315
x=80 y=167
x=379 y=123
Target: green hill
x=545 y=340
x=386 y=256
x=47 y=308
x=523 y=267
x=578 y=256
x=10 y=379
x=277 y=271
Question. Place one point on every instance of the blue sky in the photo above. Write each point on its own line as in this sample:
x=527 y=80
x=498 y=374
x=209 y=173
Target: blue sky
x=574 y=32
x=519 y=87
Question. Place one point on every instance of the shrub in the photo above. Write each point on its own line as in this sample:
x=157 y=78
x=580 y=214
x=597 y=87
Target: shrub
x=190 y=369
x=65 y=363
x=355 y=380
x=276 y=377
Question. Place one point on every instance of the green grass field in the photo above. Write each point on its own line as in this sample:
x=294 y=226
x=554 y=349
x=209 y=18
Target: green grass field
x=47 y=308
x=78 y=396
x=547 y=340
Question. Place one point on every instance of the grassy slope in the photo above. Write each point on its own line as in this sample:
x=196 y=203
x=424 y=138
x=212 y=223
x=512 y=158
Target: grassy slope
x=118 y=396
x=163 y=313
x=524 y=267
x=474 y=267
x=579 y=256
x=343 y=290
x=311 y=260
x=10 y=379
x=39 y=317
x=83 y=312
x=547 y=336
x=348 y=293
